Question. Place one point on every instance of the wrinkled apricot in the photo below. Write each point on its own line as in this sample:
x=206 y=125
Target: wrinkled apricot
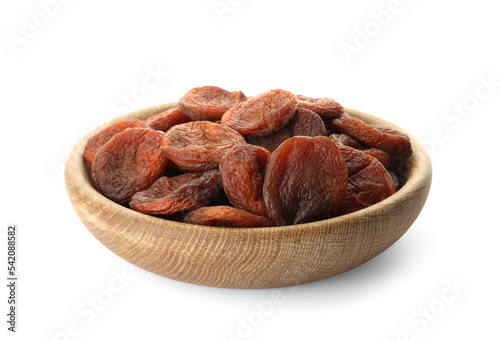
x=224 y=216
x=346 y=140
x=129 y=162
x=165 y=120
x=169 y=195
x=382 y=156
x=307 y=123
x=303 y=123
x=243 y=170
x=199 y=146
x=369 y=182
x=262 y=114
x=273 y=140
x=95 y=142
x=208 y=102
x=306 y=179
x=326 y=108
x=390 y=141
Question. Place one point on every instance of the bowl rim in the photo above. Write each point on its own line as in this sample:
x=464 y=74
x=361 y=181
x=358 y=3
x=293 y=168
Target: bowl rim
x=419 y=176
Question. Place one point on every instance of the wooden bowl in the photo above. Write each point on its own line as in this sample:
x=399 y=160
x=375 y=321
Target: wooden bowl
x=247 y=257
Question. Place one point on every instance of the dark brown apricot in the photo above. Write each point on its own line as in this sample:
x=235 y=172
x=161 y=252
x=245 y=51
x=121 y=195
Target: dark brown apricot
x=306 y=180
x=243 y=170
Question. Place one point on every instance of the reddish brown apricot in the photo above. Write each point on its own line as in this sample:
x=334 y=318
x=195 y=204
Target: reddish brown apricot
x=395 y=179
x=95 y=142
x=243 y=170
x=382 y=156
x=199 y=146
x=225 y=216
x=262 y=114
x=306 y=179
x=303 y=123
x=129 y=162
x=165 y=120
x=326 y=108
x=208 y=102
x=346 y=140
x=393 y=142
x=273 y=140
x=169 y=195
x=369 y=182
x=390 y=131
x=307 y=123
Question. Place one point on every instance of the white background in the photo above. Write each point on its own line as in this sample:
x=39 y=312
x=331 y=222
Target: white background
x=416 y=68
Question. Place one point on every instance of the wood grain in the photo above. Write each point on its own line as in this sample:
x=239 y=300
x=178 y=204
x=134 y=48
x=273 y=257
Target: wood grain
x=254 y=257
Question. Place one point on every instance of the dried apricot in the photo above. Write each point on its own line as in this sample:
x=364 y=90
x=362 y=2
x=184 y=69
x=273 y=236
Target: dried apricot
x=243 y=170
x=326 y=108
x=382 y=156
x=273 y=140
x=95 y=142
x=240 y=96
x=208 y=102
x=169 y=195
x=224 y=216
x=262 y=114
x=395 y=179
x=346 y=140
x=369 y=182
x=303 y=123
x=165 y=120
x=129 y=162
x=390 y=141
x=306 y=179
x=307 y=123
x=199 y=146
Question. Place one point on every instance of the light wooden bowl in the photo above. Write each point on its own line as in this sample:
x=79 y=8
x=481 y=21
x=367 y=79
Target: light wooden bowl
x=252 y=257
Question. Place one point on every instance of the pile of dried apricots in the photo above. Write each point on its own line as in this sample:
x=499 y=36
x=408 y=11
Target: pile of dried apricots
x=220 y=159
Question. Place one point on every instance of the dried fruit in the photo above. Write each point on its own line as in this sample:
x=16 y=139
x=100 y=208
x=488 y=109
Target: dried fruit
x=273 y=140
x=346 y=140
x=388 y=140
x=165 y=120
x=95 y=142
x=243 y=170
x=395 y=180
x=307 y=123
x=208 y=102
x=169 y=195
x=129 y=162
x=224 y=142
x=262 y=114
x=224 y=216
x=306 y=180
x=382 y=156
x=326 y=108
x=199 y=146
x=240 y=96
x=369 y=182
